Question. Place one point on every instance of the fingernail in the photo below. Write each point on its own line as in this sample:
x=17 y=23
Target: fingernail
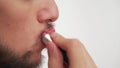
x=48 y=42
x=47 y=38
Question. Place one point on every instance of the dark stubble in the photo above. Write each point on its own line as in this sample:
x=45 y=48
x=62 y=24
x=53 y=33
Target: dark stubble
x=8 y=59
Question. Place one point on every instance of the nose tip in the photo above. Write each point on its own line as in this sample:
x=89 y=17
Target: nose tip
x=48 y=14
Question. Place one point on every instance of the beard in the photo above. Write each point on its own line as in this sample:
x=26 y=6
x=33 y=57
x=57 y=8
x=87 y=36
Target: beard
x=9 y=59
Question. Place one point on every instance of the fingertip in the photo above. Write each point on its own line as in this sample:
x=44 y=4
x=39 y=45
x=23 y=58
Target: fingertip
x=54 y=34
x=59 y=40
x=57 y=37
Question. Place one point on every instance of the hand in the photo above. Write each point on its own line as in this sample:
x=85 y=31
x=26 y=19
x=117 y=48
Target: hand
x=76 y=53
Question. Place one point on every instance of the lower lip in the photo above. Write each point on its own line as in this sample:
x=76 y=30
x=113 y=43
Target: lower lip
x=48 y=31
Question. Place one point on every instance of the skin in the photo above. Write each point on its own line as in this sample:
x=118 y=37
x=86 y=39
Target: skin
x=77 y=55
x=21 y=25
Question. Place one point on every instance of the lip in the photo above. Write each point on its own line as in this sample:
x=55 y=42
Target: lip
x=47 y=31
x=39 y=45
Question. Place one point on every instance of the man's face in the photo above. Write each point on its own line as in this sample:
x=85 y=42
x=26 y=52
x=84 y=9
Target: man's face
x=21 y=25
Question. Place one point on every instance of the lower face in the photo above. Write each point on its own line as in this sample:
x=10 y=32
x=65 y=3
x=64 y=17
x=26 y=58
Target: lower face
x=20 y=43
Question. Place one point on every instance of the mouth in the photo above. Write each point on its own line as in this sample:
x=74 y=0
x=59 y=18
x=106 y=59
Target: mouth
x=39 y=45
x=47 y=31
x=35 y=51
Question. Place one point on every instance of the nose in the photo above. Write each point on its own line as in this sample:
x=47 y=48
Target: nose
x=48 y=13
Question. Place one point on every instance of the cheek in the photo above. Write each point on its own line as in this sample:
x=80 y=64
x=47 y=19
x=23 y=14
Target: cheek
x=14 y=16
x=19 y=28
x=14 y=11
x=16 y=28
x=19 y=36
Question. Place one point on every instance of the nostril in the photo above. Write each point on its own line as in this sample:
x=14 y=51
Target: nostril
x=49 y=20
x=52 y=19
x=45 y=18
x=47 y=15
x=42 y=19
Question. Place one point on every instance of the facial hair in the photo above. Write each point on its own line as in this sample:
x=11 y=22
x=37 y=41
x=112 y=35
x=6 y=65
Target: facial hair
x=8 y=59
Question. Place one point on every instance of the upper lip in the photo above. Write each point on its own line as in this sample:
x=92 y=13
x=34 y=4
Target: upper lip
x=39 y=43
x=47 y=31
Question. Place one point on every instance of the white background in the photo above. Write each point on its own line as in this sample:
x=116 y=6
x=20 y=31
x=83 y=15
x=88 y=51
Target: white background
x=96 y=23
